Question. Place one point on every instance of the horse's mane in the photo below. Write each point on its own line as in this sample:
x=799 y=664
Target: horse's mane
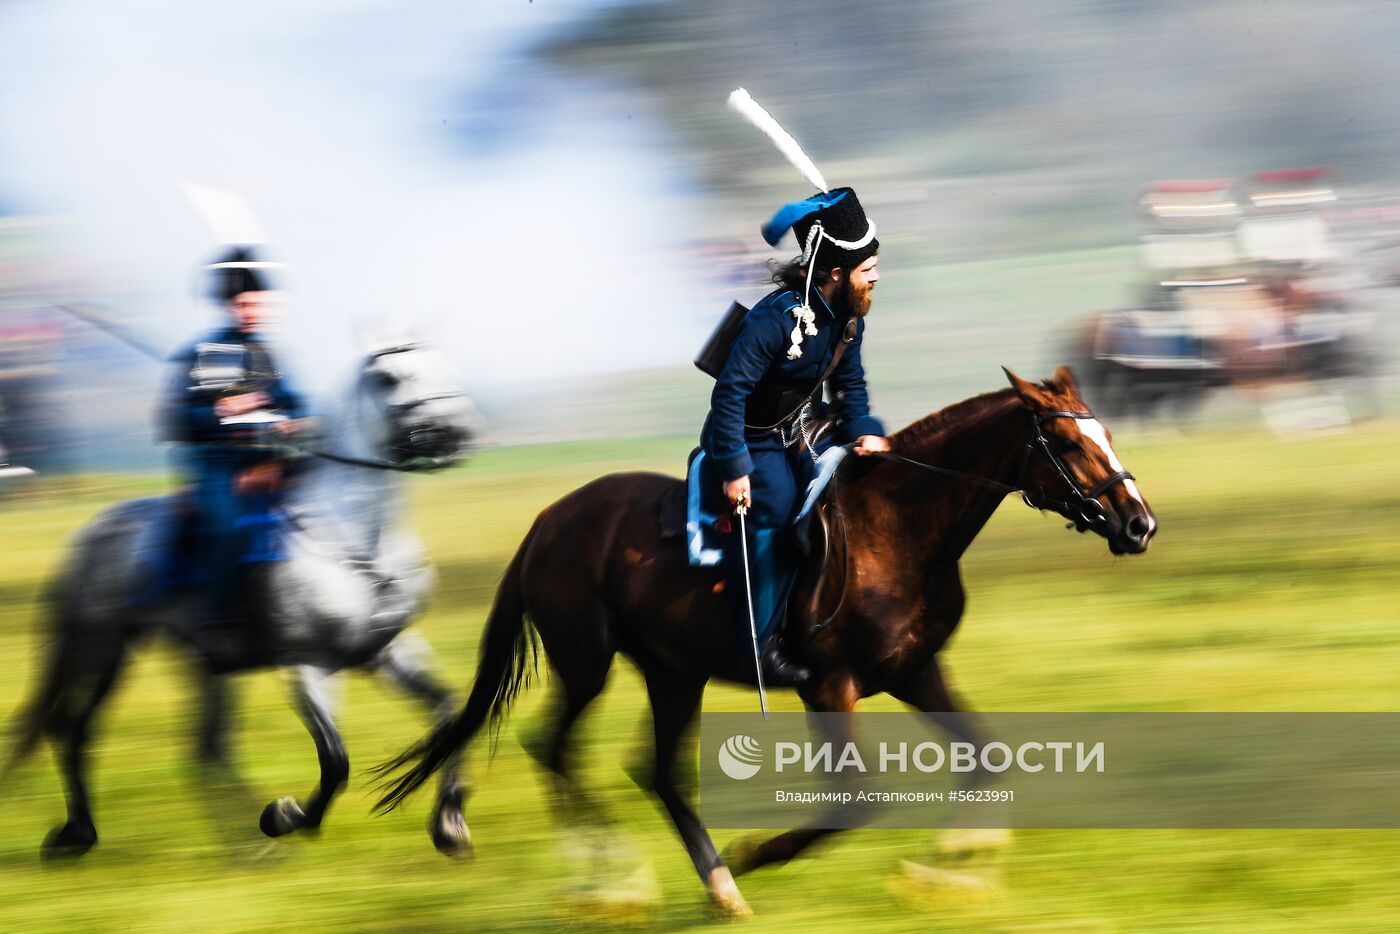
x=949 y=417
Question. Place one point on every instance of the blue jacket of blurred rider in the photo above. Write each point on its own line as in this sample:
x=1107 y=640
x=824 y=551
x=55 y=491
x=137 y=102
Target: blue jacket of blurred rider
x=222 y=409
x=214 y=450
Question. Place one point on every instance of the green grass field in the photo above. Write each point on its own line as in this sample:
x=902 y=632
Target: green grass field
x=1271 y=586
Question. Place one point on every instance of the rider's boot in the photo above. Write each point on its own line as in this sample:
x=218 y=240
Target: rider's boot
x=237 y=633
x=220 y=643
x=779 y=671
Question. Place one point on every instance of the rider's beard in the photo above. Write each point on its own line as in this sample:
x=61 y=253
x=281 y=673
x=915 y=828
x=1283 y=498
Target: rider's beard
x=857 y=299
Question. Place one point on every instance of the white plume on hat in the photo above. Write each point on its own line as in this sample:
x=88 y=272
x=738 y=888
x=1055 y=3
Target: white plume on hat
x=755 y=114
x=228 y=215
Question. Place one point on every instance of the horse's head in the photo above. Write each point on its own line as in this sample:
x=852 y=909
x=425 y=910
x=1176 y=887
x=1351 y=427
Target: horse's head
x=1070 y=466
x=425 y=421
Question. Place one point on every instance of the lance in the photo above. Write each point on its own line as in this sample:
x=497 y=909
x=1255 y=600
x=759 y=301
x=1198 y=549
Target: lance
x=105 y=321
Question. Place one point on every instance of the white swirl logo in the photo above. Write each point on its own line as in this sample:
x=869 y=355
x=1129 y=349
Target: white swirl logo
x=740 y=757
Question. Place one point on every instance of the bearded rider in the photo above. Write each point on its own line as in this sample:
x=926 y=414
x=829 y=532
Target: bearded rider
x=770 y=389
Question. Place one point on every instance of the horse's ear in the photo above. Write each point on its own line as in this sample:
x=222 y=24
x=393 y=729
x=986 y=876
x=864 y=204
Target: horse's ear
x=1031 y=394
x=1064 y=380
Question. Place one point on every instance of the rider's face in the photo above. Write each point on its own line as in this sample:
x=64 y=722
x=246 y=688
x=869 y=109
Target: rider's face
x=252 y=311
x=860 y=287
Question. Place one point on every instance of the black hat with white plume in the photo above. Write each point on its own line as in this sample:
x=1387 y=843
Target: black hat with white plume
x=831 y=223
x=239 y=270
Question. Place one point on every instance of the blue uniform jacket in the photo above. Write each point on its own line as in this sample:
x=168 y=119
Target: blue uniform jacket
x=187 y=412
x=759 y=358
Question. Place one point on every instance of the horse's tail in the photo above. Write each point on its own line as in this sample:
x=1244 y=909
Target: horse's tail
x=29 y=723
x=508 y=656
x=34 y=717
x=88 y=636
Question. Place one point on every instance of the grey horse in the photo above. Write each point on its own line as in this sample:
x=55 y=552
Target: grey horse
x=353 y=579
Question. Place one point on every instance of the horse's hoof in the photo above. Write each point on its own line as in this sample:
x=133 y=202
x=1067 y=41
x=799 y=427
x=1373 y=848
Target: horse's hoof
x=960 y=841
x=630 y=901
x=281 y=817
x=68 y=842
x=263 y=855
x=451 y=835
x=726 y=900
x=730 y=909
x=741 y=855
x=928 y=887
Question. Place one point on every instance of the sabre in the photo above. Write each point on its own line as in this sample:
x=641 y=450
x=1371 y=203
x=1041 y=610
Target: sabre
x=741 y=509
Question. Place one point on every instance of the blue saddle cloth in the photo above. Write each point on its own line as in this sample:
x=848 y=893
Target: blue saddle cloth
x=167 y=551
x=701 y=535
x=265 y=528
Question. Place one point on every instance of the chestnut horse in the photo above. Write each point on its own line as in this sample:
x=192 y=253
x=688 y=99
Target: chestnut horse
x=595 y=578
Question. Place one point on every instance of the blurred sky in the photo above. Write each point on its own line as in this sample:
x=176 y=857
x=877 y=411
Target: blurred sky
x=408 y=160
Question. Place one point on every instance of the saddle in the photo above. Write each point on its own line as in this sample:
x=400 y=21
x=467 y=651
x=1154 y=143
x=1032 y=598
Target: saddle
x=820 y=536
x=169 y=546
x=672 y=512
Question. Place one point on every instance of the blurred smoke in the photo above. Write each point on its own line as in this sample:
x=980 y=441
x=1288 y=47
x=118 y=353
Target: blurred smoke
x=415 y=169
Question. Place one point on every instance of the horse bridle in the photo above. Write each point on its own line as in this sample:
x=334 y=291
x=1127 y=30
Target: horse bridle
x=417 y=463
x=1083 y=511
x=1082 y=508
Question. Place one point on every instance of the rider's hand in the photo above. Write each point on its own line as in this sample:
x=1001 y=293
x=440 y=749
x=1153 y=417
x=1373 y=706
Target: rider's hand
x=240 y=404
x=871 y=444
x=261 y=478
x=294 y=426
x=738 y=492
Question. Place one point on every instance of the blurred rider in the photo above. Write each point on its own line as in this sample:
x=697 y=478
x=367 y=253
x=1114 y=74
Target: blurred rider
x=226 y=407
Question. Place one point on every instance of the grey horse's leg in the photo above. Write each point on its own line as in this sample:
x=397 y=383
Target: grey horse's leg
x=219 y=778
x=407 y=664
x=312 y=690
x=68 y=726
x=212 y=738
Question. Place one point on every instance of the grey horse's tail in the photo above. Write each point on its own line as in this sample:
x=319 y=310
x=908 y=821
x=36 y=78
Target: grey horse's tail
x=31 y=720
x=508 y=656
x=86 y=642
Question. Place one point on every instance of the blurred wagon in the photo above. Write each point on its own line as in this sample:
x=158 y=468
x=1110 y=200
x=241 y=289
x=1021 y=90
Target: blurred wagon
x=1243 y=290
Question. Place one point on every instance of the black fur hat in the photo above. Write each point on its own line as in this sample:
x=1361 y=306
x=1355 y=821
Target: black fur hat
x=846 y=238
x=236 y=271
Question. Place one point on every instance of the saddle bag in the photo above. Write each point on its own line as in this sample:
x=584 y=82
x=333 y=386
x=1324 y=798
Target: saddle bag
x=715 y=354
x=768 y=408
